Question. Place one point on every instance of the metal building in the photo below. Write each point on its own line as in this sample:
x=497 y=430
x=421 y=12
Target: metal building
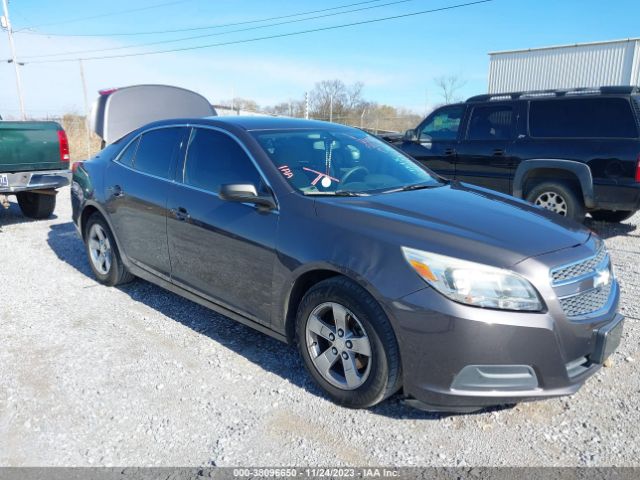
x=566 y=66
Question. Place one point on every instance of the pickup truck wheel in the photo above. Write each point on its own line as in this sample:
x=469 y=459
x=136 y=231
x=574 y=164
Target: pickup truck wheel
x=347 y=344
x=612 y=216
x=103 y=253
x=36 y=205
x=558 y=197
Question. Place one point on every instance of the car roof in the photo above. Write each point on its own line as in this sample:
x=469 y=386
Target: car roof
x=250 y=123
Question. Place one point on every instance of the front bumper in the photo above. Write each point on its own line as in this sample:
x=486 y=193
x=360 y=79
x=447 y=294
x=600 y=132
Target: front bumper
x=461 y=358
x=41 y=180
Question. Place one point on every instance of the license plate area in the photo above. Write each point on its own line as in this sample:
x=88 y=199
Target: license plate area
x=607 y=340
x=4 y=180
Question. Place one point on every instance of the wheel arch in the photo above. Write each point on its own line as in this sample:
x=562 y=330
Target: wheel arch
x=554 y=169
x=89 y=209
x=307 y=280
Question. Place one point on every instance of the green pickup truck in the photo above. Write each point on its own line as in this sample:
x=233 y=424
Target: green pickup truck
x=34 y=163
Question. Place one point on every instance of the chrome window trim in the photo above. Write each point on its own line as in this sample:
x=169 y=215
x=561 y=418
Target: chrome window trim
x=192 y=126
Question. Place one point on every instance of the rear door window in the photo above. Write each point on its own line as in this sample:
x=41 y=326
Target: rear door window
x=215 y=159
x=491 y=122
x=443 y=124
x=157 y=150
x=582 y=118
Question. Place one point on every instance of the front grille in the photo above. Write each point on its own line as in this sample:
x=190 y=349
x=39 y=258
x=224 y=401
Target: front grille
x=579 y=269
x=586 y=302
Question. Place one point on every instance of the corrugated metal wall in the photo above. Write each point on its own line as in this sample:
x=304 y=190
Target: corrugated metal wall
x=587 y=65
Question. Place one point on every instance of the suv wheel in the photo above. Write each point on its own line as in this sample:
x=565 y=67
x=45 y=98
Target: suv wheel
x=611 y=215
x=37 y=205
x=103 y=254
x=347 y=344
x=557 y=197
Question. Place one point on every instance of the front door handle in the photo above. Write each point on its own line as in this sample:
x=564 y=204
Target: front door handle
x=498 y=152
x=450 y=151
x=116 y=191
x=181 y=214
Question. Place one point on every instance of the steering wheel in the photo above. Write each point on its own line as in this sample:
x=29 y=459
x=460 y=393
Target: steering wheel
x=353 y=171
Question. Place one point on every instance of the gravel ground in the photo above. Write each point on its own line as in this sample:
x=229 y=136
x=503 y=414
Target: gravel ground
x=91 y=375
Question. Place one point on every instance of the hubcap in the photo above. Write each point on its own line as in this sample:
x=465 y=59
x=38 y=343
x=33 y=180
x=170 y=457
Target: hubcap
x=99 y=249
x=552 y=201
x=338 y=345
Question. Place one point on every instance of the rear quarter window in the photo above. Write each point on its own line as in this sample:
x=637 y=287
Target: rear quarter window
x=582 y=118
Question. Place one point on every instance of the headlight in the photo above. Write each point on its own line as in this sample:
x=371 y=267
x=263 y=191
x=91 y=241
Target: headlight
x=473 y=283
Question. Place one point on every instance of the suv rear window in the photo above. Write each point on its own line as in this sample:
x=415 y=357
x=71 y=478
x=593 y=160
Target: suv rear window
x=491 y=122
x=582 y=118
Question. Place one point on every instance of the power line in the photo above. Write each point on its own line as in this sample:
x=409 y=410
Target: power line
x=192 y=29
x=256 y=39
x=196 y=37
x=102 y=15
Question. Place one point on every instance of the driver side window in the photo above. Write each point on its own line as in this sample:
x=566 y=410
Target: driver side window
x=443 y=124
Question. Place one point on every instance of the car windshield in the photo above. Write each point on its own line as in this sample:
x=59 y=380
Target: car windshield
x=341 y=161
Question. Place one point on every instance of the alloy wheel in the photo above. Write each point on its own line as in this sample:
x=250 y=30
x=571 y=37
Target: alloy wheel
x=552 y=201
x=338 y=345
x=100 y=249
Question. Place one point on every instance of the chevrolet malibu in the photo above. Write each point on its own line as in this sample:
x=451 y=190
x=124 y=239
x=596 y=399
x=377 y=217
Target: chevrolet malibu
x=386 y=276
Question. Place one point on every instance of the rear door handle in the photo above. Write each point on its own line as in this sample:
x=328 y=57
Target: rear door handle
x=181 y=214
x=116 y=191
x=450 y=151
x=498 y=152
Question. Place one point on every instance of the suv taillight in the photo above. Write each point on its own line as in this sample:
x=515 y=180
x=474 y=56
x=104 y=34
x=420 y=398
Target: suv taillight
x=63 y=141
x=638 y=170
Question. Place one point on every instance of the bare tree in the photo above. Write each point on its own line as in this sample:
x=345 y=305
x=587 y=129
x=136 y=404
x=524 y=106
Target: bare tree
x=449 y=85
x=239 y=103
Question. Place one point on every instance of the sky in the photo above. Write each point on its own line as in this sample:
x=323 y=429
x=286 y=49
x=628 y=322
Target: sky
x=397 y=60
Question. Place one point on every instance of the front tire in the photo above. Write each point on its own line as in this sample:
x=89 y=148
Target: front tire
x=347 y=344
x=611 y=215
x=37 y=205
x=103 y=254
x=558 y=197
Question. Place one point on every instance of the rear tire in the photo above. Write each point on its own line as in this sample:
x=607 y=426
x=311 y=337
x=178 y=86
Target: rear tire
x=102 y=252
x=559 y=197
x=36 y=205
x=362 y=362
x=612 y=216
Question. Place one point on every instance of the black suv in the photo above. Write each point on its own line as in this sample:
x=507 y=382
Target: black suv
x=570 y=151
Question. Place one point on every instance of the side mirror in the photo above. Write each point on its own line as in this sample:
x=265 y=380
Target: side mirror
x=410 y=136
x=246 y=193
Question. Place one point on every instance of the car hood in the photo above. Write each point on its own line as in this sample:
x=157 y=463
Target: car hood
x=458 y=220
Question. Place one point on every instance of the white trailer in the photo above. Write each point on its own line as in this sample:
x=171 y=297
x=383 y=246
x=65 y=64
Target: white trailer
x=566 y=66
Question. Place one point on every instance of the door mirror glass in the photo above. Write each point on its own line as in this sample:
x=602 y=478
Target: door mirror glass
x=410 y=136
x=246 y=193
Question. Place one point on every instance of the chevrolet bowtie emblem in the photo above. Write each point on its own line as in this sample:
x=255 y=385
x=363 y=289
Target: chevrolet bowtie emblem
x=602 y=278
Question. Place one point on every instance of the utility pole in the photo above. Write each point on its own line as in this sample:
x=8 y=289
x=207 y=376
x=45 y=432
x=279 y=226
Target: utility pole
x=7 y=25
x=331 y=108
x=306 y=105
x=364 y=112
x=86 y=108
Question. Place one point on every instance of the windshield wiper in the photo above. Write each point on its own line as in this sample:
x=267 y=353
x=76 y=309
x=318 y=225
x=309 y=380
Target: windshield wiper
x=337 y=193
x=415 y=186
